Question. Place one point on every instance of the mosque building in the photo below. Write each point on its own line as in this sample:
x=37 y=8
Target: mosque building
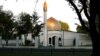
x=52 y=34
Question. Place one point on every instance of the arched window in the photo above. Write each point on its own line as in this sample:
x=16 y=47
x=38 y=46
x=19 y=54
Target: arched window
x=59 y=41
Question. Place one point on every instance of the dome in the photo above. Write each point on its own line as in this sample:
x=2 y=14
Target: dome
x=53 y=24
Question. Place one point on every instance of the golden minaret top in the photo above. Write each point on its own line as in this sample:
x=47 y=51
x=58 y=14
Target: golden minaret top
x=45 y=6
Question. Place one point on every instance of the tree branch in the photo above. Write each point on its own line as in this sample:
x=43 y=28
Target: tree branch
x=78 y=13
x=85 y=8
x=81 y=9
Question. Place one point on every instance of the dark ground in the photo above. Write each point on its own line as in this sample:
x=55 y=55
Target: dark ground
x=44 y=52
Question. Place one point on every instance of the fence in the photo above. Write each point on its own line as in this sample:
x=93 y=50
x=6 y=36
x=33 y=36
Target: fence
x=65 y=43
x=18 y=43
x=44 y=52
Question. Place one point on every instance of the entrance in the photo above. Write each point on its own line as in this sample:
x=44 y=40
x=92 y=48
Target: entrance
x=52 y=41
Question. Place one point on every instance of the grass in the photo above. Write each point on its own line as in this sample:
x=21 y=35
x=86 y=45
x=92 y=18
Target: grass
x=44 y=52
x=47 y=54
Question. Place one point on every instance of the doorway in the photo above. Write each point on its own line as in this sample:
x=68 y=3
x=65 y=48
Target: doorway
x=52 y=41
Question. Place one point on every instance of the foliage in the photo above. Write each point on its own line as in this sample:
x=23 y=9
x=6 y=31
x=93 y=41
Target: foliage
x=64 y=26
x=27 y=42
x=93 y=21
x=6 y=24
x=24 y=23
x=80 y=29
x=36 y=24
x=29 y=24
x=84 y=7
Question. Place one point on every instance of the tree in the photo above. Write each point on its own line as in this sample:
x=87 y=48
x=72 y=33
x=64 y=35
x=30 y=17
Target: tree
x=36 y=25
x=93 y=26
x=64 y=26
x=24 y=25
x=29 y=24
x=6 y=24
x=80 y=29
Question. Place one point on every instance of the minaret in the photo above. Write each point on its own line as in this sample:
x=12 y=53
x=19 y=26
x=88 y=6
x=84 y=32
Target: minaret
x=45 y=23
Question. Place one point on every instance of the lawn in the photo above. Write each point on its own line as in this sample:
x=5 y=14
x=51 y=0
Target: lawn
x=44 y=52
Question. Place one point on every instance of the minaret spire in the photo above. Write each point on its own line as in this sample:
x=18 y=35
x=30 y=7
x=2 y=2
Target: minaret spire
x=45 y=6
x=45 y=23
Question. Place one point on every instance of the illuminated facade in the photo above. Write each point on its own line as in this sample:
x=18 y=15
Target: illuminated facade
x=53 y=36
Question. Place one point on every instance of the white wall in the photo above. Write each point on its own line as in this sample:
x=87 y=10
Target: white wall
x=68 y=37
x=41 y=38
x=84 y=39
